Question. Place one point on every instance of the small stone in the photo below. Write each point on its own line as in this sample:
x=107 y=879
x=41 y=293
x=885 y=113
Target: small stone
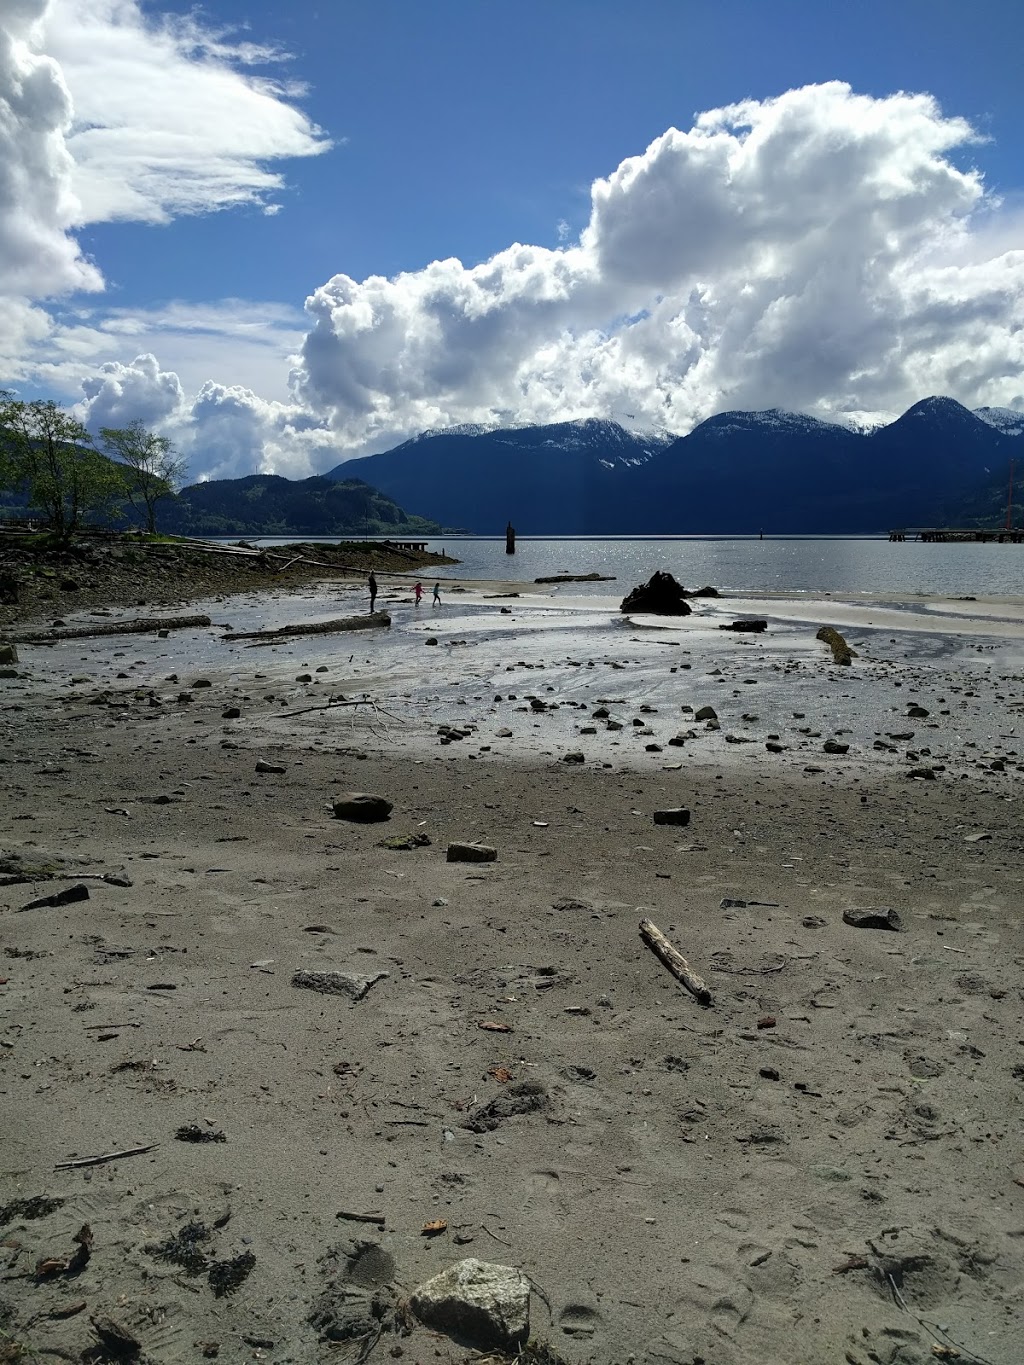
x=706 y=713
x=873 y=919
x=432 y=639
x=232 y=713
x=202 y=682
x=575 y=757
x=471 y=853
x=678 y=815
x=833 y=746
x=915 y=712
x=262 y=766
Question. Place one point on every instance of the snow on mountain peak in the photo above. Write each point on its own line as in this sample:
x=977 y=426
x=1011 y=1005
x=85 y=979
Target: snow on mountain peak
x=1007 y=420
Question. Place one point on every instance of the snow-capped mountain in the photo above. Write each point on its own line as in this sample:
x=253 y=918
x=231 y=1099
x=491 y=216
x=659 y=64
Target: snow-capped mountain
x=736 y=472
x=1007 y=420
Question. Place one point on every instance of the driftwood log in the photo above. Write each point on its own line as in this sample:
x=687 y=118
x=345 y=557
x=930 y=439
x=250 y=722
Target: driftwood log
x=368 y=622
x=842 y=653
x=144 y=625
x=674 y=961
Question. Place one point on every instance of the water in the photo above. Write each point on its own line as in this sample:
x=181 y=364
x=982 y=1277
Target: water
x=745 y=565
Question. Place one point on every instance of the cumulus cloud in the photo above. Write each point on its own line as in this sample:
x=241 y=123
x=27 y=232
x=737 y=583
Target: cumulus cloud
x=39 y=257
x=141 y=391
x=822 y=250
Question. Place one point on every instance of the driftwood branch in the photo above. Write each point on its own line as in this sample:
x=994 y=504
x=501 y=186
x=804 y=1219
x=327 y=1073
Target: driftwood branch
x=139 y=626
x=368 y=622
x=104 y=1157
x=674 y=961
x=322 y=706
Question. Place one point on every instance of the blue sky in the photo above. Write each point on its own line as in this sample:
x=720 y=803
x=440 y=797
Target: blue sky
x=399 y=135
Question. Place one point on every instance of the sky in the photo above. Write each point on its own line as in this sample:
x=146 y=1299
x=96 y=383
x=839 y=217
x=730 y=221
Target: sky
x=287 y=235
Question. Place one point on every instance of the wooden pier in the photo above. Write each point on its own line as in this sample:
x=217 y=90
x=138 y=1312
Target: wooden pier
x=953 y=534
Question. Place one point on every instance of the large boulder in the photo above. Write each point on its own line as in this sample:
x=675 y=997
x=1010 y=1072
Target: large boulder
x=661 y=595
x=487 y=1305
x=361 y=807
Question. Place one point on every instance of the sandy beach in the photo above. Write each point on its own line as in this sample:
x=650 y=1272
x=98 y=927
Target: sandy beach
x=823 y=1165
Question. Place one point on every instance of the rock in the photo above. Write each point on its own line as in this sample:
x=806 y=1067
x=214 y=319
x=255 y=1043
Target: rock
x=471 y=853
x=361 y=807
x=661 y=595
x=202 y=682
x=430 y=640
x=304 y=677
x=706 y=713
x=338 y=983
x=262 y=766
x=774 y=747
x=401 y=843
x=873 y=919
x=753 y=626
x=70 y=894
x=8 y=654
x=678 y=815
x=487 y=1304
x=833 y=746
x=575 y=757
x=922 y=774
x=232 y=713
x=915 y=712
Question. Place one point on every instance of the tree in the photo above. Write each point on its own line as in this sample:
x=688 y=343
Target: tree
x=152 y=470
x=47 y=454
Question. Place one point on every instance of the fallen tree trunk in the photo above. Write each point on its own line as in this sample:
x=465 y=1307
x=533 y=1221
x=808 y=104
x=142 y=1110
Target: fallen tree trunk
x=674 y=961
x=367 y=622
x=139 y=626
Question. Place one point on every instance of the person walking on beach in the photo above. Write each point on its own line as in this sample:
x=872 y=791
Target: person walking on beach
x=437 y=595
x=418 y=590
x=371 y=583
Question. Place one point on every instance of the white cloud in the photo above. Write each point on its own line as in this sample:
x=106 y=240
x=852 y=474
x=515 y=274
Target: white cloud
x=106 y=113
x=39 y=258
x=120 y=394
x=167 y=120
x=822 y=250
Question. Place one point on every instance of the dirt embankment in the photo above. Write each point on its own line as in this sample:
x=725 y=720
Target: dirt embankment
x=39 y=582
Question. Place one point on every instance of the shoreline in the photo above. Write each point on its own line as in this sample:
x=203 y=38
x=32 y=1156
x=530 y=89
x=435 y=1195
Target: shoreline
x=684 y=1182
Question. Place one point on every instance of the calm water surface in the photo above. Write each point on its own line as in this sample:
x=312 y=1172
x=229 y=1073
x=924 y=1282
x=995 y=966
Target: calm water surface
x=808 y=564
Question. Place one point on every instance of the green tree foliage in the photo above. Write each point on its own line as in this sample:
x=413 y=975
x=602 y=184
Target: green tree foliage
x=48 y=455
x=152 y=469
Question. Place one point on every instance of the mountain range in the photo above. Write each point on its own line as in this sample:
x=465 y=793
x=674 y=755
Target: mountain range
x=736 y=473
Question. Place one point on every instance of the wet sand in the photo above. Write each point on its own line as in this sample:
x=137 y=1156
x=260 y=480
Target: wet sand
x=824 y=1165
